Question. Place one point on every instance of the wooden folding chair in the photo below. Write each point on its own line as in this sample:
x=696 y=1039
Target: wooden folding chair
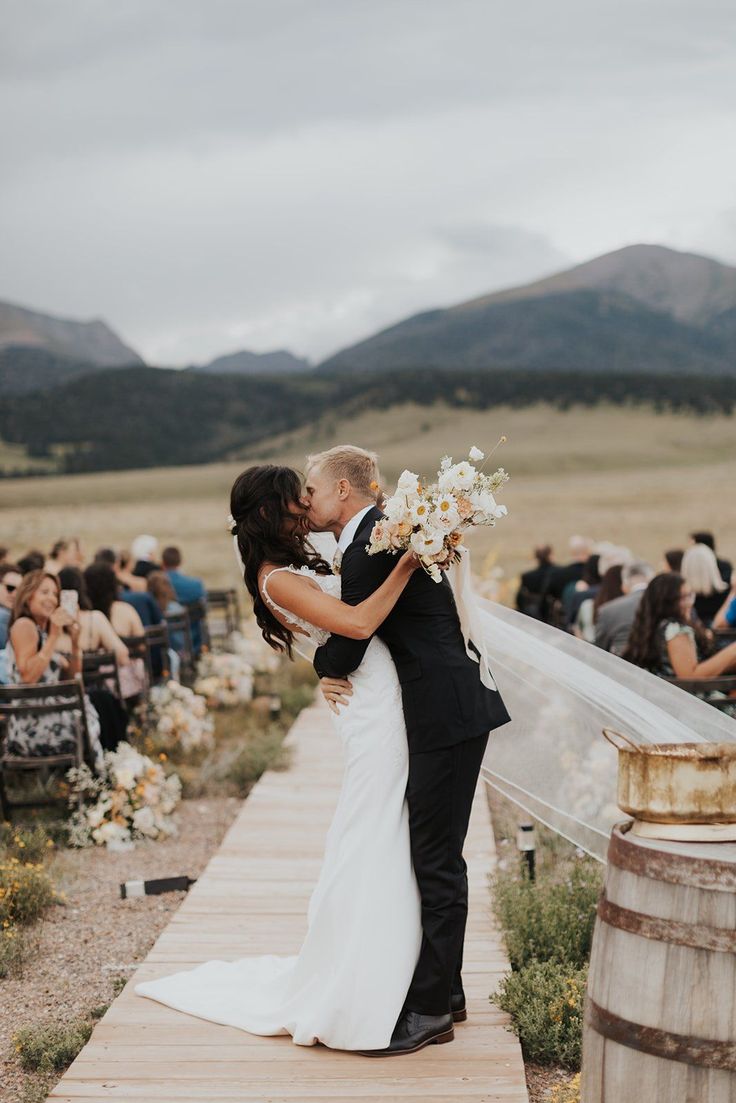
x=223 y=612
x=157 y=648
x=179 y=626
x=41 y=700
x=100 y=671
x=702 y=686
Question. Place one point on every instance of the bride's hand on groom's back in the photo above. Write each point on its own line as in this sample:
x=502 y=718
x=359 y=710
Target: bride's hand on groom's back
x=336 y=691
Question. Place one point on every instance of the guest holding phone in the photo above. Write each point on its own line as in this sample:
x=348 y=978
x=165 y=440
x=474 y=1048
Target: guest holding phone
x=44 y=648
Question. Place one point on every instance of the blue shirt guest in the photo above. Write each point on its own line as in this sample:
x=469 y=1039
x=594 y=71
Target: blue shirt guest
x=726 y=615
x=186 y=587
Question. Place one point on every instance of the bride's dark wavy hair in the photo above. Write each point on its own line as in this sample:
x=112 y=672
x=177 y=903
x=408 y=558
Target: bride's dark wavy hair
x=259 y=504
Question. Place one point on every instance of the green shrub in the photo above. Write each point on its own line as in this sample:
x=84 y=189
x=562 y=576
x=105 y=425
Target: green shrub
x=29 y=844
x=51 y=1045
x=566 y=1093
x=11 y=951
x=264 y=751
x=26 y=890
x=548 y=920
x=545 y=1002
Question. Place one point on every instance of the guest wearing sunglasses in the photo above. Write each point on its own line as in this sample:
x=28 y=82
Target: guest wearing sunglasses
x=10 y=580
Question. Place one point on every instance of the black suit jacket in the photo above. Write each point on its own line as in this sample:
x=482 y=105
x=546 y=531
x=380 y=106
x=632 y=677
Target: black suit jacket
x=444 y=700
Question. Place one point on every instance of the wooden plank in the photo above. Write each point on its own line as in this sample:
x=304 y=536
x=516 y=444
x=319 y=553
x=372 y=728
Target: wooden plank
x=252 y=899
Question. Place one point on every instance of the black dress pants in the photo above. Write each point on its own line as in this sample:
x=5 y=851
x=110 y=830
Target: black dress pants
x=440 y=795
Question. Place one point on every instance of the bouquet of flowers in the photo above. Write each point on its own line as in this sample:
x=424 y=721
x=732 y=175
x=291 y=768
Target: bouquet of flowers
x=180 y=717
x=224 y=678
x=432 y=520
x=133 y=798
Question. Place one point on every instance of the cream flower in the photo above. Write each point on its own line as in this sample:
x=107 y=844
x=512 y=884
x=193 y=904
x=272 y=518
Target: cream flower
x=475 y=454
x=408 y=483
x=427 y=543
x=458 y=477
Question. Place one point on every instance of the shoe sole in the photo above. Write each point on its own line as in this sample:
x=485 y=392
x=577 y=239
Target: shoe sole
x=459 y=1016
x=439 y=1040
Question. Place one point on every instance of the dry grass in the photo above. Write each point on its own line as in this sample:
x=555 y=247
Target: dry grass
x=632 y=476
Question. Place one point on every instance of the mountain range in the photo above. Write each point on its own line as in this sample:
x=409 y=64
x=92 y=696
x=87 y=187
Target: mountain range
x=644 y=324
x=643 y=308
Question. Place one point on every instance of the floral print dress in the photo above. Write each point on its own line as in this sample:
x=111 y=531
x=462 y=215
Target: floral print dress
x=29 y=736
x=669 y=630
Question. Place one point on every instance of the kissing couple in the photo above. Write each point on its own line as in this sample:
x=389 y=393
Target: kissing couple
x=380 y=969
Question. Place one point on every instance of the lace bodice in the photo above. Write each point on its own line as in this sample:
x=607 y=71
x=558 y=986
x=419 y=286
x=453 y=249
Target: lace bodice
x=329 y=583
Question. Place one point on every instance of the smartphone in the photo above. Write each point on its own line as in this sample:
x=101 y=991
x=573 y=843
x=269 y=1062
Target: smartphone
x=69 y=601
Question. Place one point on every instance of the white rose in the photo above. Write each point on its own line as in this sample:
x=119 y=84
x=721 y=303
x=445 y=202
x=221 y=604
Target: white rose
x=408 y=483
x=475 y=454
x=459 y=477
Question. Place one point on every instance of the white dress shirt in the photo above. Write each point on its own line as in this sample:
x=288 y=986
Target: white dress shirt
x=348 y=533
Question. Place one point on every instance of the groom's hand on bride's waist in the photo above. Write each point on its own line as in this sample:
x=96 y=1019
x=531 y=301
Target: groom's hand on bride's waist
x=336 y=691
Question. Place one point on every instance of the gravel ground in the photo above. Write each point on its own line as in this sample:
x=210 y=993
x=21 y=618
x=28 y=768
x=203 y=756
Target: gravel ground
x=541 y=1079
x=79 y=948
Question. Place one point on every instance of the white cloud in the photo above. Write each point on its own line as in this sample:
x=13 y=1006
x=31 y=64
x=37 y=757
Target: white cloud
x=296 y=173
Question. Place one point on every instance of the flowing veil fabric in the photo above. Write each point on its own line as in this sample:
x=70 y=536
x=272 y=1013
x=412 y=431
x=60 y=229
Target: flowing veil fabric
x=552 y=759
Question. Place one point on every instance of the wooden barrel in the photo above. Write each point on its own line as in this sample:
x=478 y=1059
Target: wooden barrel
x=660 y=1015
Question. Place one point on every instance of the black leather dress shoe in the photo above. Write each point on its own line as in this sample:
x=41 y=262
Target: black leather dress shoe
x=457 y=1007
x=413 y=1032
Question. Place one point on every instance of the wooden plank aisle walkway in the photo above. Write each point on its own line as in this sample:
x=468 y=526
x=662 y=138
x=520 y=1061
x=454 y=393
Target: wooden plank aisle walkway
x=252 y=899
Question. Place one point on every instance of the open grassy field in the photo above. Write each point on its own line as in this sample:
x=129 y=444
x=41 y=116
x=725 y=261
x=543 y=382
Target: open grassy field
x=630 y=476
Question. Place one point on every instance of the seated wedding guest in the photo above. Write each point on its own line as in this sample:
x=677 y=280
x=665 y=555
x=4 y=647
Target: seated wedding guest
x=578 y=593
x=44 y=647
x=669 y=641
x=31 y=561
x=726 y=615
x=532 y=582
x=700 y=571
x=560 y=576
x=187 y=587
x=97 y=634
x=673 y=560
x=65 y=553
x=102 y=590
x=608 y=589
x=10 y=580
x=144 y=551
x=613 y=620
x=163 y=593
x=120 y=563
x=725 y=567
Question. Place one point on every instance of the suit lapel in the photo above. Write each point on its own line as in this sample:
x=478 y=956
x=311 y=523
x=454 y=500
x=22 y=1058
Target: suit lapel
x=366 y=525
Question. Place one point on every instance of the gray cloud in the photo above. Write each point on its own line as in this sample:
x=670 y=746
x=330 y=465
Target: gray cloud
x=299 y=172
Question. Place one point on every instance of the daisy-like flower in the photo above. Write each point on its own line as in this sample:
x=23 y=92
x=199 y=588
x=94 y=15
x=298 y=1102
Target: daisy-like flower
x=445 y=514
x=420 y=511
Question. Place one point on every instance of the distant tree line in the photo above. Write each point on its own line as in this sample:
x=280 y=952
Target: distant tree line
x=151 y=417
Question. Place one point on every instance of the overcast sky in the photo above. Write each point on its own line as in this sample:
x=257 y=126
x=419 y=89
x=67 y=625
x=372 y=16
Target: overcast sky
x=210 y=175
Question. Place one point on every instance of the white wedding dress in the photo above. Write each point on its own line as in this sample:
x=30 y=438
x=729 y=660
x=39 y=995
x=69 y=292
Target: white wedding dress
x=346 y=986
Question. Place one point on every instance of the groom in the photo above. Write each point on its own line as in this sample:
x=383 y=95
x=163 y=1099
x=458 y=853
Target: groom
x=448 y=714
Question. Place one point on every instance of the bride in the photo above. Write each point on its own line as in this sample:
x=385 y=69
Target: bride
x=346 y=986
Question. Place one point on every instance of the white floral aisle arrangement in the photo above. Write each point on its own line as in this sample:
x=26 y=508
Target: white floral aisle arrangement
x=224 y=679
x=132 y=799
x=432 y=520
x=180 y=718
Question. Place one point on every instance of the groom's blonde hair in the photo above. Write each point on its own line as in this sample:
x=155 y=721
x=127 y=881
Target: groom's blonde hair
x=346 y=461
